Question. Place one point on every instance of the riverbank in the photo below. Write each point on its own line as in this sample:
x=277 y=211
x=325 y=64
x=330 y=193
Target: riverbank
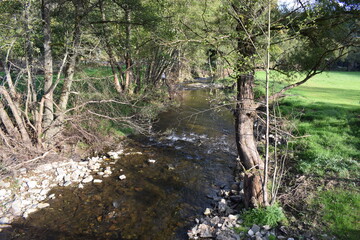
x=30 y=190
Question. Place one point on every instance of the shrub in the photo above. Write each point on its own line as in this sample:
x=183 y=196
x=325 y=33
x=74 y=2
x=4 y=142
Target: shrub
x=271 y=215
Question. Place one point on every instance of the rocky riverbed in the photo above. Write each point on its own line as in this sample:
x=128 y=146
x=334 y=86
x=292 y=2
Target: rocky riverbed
x=223 y=221
x=28 y=191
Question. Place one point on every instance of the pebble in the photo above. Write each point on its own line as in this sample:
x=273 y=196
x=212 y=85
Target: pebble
x=151 y=161
x=4 y=184
x=87 y=179
x=31 y=184
x=207 y=211
x=3 y=192
x=4 y=220
x=43 y=205
x=34 y=185
x=255 y=228
x=122 y=177
x=67 y=183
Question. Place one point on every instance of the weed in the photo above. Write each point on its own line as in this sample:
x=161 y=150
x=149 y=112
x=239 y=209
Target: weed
x=271 y=215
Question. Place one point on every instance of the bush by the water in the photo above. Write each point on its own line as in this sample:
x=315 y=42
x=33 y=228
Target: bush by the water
x=271 y=215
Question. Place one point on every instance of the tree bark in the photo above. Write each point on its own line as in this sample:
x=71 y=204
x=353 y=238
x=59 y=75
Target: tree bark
x=246 y=144
x=17 y=116
x=109 y=52
x=128 y=60
x=70 y=69
x=48 y=116
x=9 y=126
x=245 y=112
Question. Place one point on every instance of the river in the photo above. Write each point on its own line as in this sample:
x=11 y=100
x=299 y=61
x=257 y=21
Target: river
x=194 y=150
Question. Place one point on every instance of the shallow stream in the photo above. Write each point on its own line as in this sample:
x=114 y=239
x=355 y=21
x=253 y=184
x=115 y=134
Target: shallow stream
x=194 y=150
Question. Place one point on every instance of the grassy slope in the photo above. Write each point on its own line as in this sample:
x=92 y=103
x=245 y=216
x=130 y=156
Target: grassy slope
x=328 y=109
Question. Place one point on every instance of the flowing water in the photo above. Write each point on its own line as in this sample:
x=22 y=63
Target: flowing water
x=194 y=152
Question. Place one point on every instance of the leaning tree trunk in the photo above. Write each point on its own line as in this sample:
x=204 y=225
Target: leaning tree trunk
x=249 y=156
x=245 y=113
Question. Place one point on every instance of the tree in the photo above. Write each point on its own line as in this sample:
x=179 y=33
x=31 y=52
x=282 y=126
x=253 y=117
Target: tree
x=315 y=28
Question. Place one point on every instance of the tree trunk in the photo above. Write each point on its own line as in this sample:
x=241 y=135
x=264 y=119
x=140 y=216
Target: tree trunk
x=245 y=112
x=128 y=60
x=9 y=126
x=48 y=116
x=70 y=69
x=249 y=156
x=17 y=116
x=109 y=52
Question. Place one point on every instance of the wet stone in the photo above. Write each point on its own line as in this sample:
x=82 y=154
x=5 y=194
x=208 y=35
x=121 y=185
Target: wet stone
x=255 y=228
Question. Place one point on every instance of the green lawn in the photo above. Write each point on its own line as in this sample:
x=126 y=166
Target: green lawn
x=339 y=88
x=327 y=108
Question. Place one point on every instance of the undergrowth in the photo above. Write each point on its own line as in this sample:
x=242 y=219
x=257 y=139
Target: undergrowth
x=271 y=215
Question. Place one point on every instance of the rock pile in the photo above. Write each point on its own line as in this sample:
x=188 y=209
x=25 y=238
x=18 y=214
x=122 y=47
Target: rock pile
x=28 y=192
x=223 y=221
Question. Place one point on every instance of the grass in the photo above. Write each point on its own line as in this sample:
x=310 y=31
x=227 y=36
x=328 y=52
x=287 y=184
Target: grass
x=327 y=110
x=340 y=212
x=271 y=215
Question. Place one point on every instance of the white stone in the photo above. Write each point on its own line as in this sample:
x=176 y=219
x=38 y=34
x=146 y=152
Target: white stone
x=3 y=192
x=45 y=183
x=81 y=186
x=97 y=181
x=67 y=178
x=266 y=227
x=88 y=179
x=35 y=190
x=207 y=211
x=29 y=211
x=152 y=161
x=31 y=184
x=75 y=175
x=52 y=196
x=122 y=177
x=22 y=170
x=60 y=172
x=43 y=205
x=26 y=202
x=100 y=173
x=4 y=184
x=44 y=168
x=4 y=220
x=67 y=183
x=16 y=207
x=233 y=217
